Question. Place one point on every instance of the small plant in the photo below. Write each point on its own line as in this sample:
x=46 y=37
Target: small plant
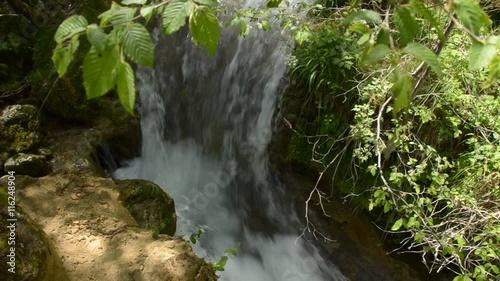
x=195 y=236
x=157 y=229
x=219 y=266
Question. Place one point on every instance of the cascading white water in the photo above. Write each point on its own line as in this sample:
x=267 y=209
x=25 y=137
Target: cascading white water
x=206 y=125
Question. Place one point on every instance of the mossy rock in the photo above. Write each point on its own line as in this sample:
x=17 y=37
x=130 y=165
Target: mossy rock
x=26 y=164
x=19 y=128
x=150 y=206
x=34 y=259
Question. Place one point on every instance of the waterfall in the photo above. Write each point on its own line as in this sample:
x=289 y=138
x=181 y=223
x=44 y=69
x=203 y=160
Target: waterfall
x=206 y=126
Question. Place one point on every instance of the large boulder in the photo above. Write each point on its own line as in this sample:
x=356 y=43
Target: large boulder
x=97 y=238
x=150 y=206
x=19 y=128
x=26 y=164
x=33 y=258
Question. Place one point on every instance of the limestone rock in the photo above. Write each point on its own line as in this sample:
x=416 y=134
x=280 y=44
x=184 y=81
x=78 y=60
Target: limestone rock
x=97 y=238
x=35 y=258
x=26 y=164
x=19 y=128
x=150 y=206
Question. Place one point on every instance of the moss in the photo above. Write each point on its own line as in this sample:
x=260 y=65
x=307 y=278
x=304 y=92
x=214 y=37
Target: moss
x=150 y=206
x=20 y=139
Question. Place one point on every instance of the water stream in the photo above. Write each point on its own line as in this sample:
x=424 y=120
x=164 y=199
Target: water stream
x=206 y=126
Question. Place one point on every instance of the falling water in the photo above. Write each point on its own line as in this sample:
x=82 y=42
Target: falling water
x=206 y=126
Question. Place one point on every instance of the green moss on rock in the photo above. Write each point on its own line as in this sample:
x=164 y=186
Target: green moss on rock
x=150 y=206
x=19 y=128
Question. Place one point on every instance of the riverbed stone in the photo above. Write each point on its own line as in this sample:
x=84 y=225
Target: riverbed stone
x=151 y=207
x=19 y=128
x=26 y=164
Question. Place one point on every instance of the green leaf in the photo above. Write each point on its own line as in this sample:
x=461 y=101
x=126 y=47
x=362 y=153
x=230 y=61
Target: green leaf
x=174 y=16
x=117 y=15
x=125 y=86
x=99 y=71
x=495 y=269
x=69 y=27
x=419 y=8
x=493 y=72
x=207 y=2
x=137 y=44
x=205 y=28
x=244 y=27
x=146 y=12
x=461 y=241
x=470 y=14
x=407 y=25
x=273 y=3
x=410 y=223
x=63 y=55
x=231 y=252
x=223 y=260
x=192 y=238
x=383 y=36
x=377 y=53
x=134 y=2
x=481 y=55
x=397 y=225
x=363 y=39
x=359 y=27
x=96 y=37
x=402 y=90
x=419 y=237
x=367 y=15
x=421 y=52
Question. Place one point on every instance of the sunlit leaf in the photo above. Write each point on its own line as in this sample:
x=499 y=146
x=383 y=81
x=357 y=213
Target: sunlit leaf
x=63 y=55
x=125 y=85
x=137 y=44
x=99 y=71
x=175 y=14
x=481 y=55
x=69 y=27
x=397 y=225
x=422 y=53
x=205 y=28
x=97 y=37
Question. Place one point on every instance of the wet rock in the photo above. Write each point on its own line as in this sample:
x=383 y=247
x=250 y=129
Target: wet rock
x=26 y=164
x=150 y=206
x=19 y=128
x=35 y=259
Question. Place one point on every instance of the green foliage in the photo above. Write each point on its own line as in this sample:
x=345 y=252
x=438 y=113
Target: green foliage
x=204 y=28
x=63 y=55
x=120 y=37
x=137 y=44
x=326 y=60
x=424 y=127
x=422 y=53
x=195 y=236
x=99 y=70
x=219 y=266
x=175 y=15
